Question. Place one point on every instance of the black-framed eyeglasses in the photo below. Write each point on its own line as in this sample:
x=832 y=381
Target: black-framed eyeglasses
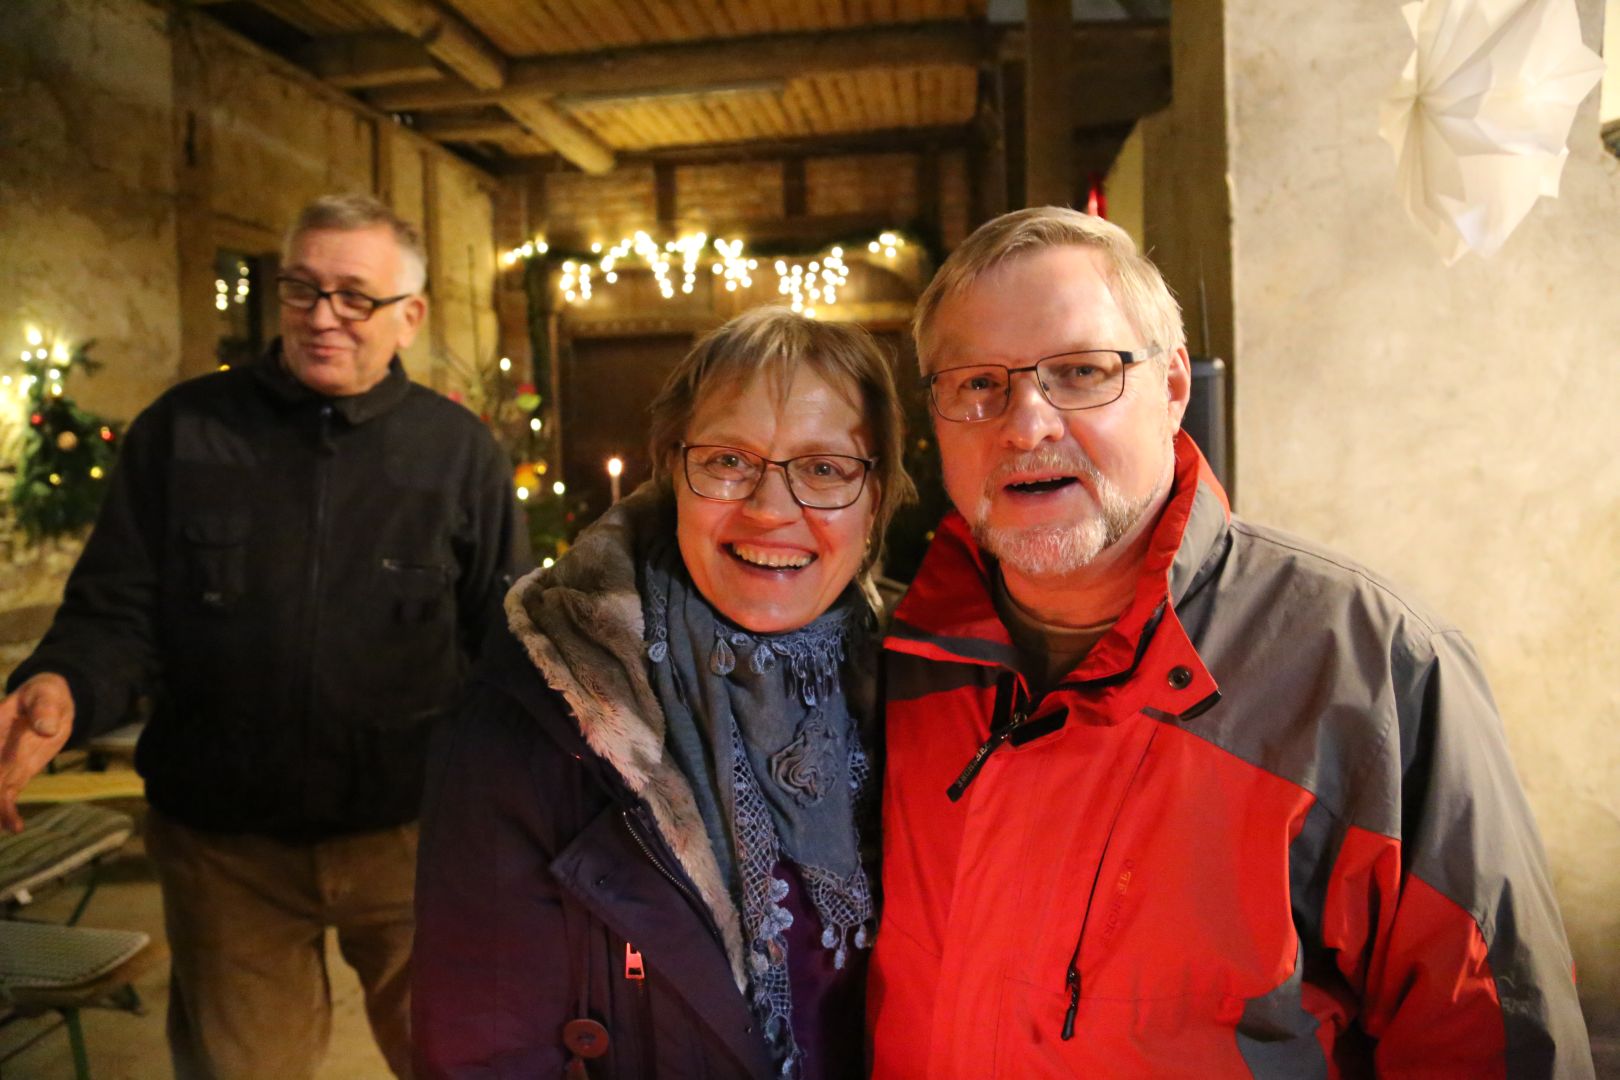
x=347 y=304
x=816 y=481
x=1087 y=379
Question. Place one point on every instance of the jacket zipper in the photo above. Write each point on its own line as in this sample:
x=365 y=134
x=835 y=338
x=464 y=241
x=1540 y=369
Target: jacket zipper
x=1009 y=692
x=1071 y=977
x=318 y=538
x=990 y=746
x=646 y=849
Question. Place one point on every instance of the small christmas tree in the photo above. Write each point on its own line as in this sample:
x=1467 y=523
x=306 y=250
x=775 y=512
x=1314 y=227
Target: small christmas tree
x=513 y=410
x=66 y=453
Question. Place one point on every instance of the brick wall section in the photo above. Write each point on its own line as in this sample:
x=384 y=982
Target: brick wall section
x=600 y=207
x=739 y=191
x=880 y=185
x=864 y=184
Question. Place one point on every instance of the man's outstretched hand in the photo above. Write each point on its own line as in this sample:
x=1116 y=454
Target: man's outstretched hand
x=35 y=720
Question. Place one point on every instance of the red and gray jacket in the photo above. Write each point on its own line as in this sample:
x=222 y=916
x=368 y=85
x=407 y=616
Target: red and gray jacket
x=1267 y=827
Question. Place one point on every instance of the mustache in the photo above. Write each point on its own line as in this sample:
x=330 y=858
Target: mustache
x=1070 y=460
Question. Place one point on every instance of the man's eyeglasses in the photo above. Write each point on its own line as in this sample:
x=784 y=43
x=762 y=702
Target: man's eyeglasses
x=816 y=481
x=1078 y=380
x=347 y=304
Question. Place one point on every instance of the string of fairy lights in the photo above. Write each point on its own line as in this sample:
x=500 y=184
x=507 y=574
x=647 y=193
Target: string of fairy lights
x=41 y=363
x=811 y=283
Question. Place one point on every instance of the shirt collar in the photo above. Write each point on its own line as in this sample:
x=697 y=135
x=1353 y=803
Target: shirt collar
x=272 y=373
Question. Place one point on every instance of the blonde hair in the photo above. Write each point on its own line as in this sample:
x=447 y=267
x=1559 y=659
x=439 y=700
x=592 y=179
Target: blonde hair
x=1135 y=282
x=774 y=342
x=346 y=212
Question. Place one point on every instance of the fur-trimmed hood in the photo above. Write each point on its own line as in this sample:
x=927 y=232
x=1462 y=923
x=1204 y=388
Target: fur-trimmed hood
x=580 y=622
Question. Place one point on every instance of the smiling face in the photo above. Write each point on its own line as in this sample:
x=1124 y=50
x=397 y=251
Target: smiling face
x=765 y=562
x=330 y=355
x=1048 y=490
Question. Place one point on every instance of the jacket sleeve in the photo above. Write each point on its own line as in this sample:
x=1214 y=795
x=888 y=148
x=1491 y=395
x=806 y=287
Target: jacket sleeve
x=490 y=983
x=1449 y=930
x=103 y=637
x=492 y=546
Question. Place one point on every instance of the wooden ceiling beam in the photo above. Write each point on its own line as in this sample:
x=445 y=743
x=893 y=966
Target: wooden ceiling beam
x=1105 y=45
x=889 y=140
x=564 y=133
x=483 y=68
x=468 y=128
x=446 y=36
x=365 y=61
x=724 y=63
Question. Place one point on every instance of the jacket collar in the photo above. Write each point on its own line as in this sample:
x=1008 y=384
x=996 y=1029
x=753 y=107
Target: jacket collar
x=580 y=622
x=948 y=613
x=356 y=408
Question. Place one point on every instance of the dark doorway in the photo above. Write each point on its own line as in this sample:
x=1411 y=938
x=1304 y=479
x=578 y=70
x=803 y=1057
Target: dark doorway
x=607 y=384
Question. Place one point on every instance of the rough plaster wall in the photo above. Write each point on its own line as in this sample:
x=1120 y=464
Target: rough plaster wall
x=1450 y=427
x=276 y=144
x=409 y=200
x=466 y=274
x=87 y=228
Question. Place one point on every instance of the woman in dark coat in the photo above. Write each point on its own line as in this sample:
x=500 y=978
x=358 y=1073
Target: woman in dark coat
x=647 y=844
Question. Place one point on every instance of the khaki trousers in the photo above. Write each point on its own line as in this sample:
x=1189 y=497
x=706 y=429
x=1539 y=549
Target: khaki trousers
x=247 y=919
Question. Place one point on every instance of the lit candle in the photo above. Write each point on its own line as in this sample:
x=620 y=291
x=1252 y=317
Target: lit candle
x=615 y=470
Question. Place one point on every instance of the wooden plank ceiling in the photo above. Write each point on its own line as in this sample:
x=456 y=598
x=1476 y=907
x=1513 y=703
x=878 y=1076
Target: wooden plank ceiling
x=595 y=80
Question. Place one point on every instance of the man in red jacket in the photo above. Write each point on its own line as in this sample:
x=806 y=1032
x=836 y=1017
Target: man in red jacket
x=1169 y=793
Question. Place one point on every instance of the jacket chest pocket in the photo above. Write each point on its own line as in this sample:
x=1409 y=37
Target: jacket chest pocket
x=416 y=591
x=215 y=547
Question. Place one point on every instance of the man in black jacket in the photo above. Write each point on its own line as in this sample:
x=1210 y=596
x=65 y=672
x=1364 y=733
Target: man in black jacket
x=299 y=559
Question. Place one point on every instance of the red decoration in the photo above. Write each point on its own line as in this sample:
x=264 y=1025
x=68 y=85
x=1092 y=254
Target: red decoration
x=1097 y=197
x=106 y=434
x=37 y=419
x=455 y=396
x=525 y=388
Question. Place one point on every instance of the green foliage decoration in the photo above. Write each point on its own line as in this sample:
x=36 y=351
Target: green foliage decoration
x=65 y=455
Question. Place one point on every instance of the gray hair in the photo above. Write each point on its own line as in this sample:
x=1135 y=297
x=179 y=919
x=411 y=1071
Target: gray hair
x=346 y=212
x=1133 y=279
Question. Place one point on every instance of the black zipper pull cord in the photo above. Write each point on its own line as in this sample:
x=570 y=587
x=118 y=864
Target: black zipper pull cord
x=1072 y=979
x=1007 y=697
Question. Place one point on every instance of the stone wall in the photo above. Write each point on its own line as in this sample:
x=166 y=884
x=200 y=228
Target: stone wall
x=87 y=192
x=1451 y=427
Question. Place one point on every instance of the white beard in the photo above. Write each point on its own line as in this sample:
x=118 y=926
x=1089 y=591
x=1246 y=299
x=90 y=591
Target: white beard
x=1044 y=551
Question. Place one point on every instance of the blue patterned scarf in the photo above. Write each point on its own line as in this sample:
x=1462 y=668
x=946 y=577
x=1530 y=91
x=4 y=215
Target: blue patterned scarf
x=760 y=725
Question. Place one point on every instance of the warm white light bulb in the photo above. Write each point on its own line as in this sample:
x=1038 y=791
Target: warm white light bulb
x=534 y=424
x=559 y=488
x=506 y=363
x=615 y=466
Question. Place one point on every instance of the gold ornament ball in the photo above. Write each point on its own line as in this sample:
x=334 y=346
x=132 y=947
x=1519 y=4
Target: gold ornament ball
x=66 y=441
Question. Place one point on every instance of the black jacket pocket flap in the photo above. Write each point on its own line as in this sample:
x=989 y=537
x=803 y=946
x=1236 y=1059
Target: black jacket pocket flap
x=215 y=530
